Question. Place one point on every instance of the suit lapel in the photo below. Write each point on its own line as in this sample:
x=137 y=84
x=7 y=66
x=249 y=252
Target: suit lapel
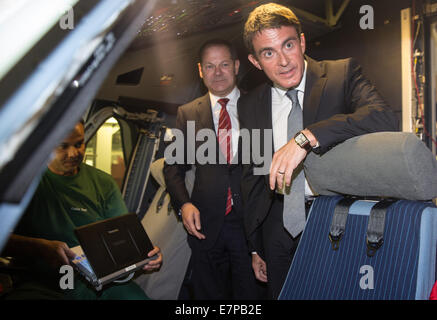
x=204 y=113
x=315 y=83
x=263 y=114
x=264 y=108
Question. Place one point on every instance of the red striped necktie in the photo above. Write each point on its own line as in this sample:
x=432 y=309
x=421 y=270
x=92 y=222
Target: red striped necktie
x=225 y=142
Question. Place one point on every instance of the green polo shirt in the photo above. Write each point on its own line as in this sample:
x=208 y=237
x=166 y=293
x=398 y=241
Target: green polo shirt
x=61 y=204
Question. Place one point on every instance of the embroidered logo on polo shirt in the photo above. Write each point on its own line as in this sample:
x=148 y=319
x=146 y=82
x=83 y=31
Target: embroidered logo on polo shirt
x=78 y=209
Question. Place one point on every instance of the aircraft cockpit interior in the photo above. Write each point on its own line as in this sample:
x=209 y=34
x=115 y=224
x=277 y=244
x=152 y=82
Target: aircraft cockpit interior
x=268 y=149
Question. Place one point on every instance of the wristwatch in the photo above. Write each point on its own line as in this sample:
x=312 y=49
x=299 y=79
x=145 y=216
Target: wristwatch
x=302 y=141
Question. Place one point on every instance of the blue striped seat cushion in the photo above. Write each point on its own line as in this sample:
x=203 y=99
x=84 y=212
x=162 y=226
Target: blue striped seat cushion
x=319 y=272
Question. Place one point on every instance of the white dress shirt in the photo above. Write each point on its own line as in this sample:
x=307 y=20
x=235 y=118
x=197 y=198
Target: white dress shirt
x=281 y=107
x=233 y=114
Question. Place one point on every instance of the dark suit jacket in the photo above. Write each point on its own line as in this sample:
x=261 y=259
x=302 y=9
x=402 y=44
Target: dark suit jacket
x=339 y=103
x=211 y=180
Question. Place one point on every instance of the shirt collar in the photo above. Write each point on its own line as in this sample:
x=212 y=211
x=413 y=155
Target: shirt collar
x=300 y=87
x=232 y=96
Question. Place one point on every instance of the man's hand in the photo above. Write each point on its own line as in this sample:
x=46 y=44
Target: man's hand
x=55 y=253
x=286 y=159
x=259 y=267
x=156 y=263
x=191 y=220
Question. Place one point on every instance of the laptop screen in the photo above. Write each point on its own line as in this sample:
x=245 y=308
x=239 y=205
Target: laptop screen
x=113 y=244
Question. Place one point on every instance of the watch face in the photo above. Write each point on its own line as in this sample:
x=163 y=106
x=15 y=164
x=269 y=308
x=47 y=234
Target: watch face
x=301 y=139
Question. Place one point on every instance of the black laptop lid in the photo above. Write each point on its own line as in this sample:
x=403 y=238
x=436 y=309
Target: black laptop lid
x=113 y=244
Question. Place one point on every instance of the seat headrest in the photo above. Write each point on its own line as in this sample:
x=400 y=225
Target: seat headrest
x=383 y=164
x=156 y=171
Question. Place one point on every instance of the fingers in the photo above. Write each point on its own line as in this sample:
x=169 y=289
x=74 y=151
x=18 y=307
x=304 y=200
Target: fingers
x=261 y=275
x=155 y=250
x=197 y=226
x=70 y=254
x=155 y=263
x=259 y=268
x=197 y=223
x=274 y=170
x=280 y=171
x=191 y=221
x=62 y=259
x=55 y=252
x=287 y=177
x=64 y=253
x=284 y=161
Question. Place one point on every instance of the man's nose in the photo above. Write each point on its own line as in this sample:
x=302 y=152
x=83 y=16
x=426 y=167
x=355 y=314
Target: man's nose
x=72 y=152
x=283 y=59
x=218 y=70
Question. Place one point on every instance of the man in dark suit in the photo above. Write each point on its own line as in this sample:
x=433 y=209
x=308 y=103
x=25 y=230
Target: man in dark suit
x=310 y=106
x=220 y=265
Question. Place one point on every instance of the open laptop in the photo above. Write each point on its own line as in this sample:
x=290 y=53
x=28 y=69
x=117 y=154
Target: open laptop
x=111 y=249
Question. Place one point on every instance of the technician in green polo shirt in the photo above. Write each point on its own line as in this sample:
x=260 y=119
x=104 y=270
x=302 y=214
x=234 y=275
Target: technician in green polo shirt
x=70 y=194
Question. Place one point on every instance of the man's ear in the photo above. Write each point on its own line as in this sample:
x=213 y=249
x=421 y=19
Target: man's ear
x=200 y=70
x=236 y=66
x=254 y=61
x=302 y=43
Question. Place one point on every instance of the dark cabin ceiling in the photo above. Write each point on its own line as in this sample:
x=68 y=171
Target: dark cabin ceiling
x=175 y=19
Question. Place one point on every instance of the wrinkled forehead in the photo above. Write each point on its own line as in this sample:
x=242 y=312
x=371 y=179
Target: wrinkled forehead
x=275 y=33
